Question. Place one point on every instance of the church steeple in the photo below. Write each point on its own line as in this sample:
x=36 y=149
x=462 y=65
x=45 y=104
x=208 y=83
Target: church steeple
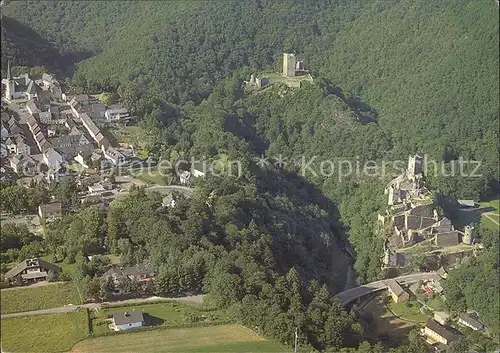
x=9 y=74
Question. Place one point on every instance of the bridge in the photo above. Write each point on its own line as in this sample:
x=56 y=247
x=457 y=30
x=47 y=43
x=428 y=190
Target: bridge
x=352 y=294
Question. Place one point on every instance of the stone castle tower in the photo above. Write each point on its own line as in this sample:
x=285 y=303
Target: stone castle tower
x=468 y=234
x=289 y=64
x=415 y=165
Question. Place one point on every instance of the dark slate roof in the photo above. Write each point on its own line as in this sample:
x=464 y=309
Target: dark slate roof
x=448 y=237
x=31 y=120
x=127 y=317
x=75 y=131
x=90 y=125
x=52 y=207
x=32 y=105
x=98 y=107
x=32 y=263
x=472 y=319
x=440 y=330
x=82 y=97
x=443 y=225
x=66 y=141
x=44 y=97
x=20 y=140
x=144 y=268
x=18 y=159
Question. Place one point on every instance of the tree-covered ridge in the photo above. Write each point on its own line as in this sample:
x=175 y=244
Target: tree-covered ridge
x=476 y=284
x=269 y=255
x=425 y=73
x=428 y=69
x=431 y=71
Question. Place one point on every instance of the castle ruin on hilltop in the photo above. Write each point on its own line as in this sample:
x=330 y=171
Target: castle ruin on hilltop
x=291 y=66
x=412 y=220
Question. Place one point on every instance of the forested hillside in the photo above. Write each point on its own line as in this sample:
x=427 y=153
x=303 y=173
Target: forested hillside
x=476 y=283
x=426 y=72
x=428 y=68
x=391 y=78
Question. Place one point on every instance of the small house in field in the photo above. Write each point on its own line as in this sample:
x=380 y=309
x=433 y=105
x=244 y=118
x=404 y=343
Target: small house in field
x=397 y=292
x=31 y=271
x=127 y=320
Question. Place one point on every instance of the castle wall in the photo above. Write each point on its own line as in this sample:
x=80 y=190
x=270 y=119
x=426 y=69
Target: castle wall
x=447 y=239
x=422 y=210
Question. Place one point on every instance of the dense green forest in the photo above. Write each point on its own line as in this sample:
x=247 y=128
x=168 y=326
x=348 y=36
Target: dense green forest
x=429 y=72
x=391 y=78
x=427 y=77
x=476 y=284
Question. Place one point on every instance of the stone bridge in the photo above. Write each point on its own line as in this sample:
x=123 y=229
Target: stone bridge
x=352 y=294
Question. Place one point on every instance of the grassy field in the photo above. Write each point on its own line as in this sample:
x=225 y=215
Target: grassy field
x=491 y=220
x=409 y=311
x=130 y=135
x=103 y=97
x=78 y=168
x=278 y=77
x=159 y=314
x=67 y=268
x=153 y=177
x=42 y=297
x=223 y=338
x=436 y=303
x=493 y=203
x=45 y=333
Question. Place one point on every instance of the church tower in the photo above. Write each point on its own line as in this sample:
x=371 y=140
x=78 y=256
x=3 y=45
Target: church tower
x=9 y=84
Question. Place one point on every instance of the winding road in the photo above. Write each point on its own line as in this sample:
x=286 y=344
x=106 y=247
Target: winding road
x=169 y=188
x=70 y=308
x=352 y=294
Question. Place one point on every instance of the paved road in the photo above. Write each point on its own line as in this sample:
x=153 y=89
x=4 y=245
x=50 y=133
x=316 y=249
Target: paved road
x=169 y=188
x=354 y=293
x=69 y=308
x=165 y=189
